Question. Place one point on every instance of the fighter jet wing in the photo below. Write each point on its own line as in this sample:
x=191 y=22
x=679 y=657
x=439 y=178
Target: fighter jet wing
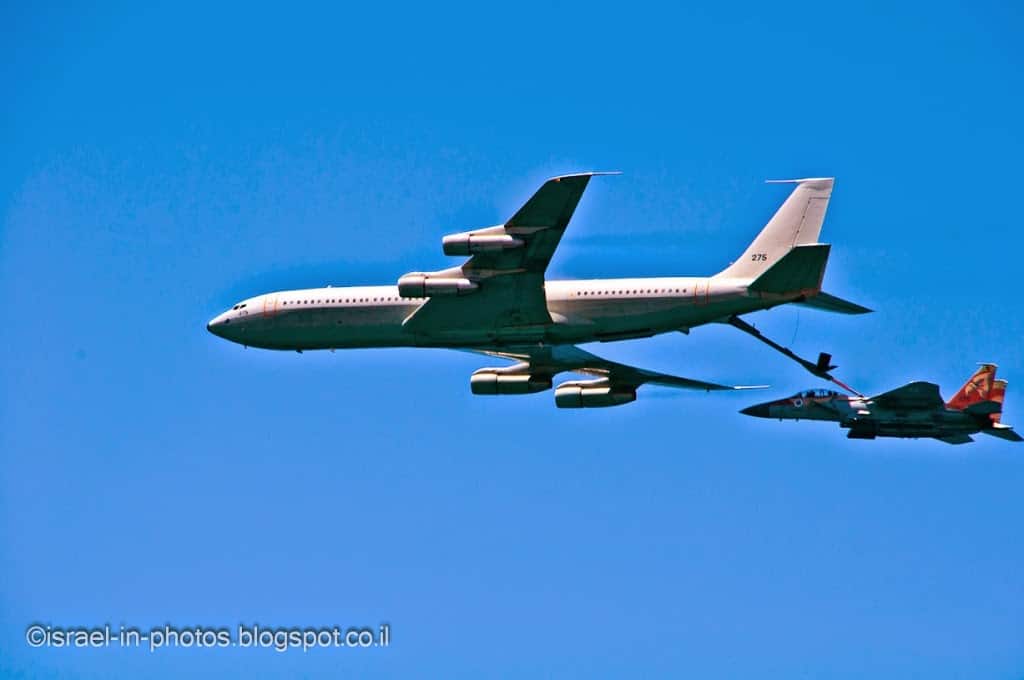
x=551 y=360
x=507 y=263
x=915 y=395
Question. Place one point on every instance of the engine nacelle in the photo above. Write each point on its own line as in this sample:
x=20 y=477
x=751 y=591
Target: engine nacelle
x=495 y=381
x=424 y=285
x=469 y=243
x=592 y=394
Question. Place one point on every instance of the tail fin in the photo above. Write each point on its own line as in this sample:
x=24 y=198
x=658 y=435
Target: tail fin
x=977 y=388
x=801 y=269
x=998 y=394
x=994 y=400
x=797 y=222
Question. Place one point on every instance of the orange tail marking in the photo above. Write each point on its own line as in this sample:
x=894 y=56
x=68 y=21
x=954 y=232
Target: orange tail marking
x=978 y=388
x=997 y=395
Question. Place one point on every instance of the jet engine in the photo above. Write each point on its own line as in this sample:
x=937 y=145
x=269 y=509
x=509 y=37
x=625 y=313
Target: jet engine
x=468 y=243
x=592 y=394
x=424 y=285
x=501 y=381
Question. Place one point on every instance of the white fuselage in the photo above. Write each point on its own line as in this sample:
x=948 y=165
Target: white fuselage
x=581 y=311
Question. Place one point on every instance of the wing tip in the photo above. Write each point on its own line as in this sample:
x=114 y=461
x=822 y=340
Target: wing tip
x=802 y=180
x=589 y=173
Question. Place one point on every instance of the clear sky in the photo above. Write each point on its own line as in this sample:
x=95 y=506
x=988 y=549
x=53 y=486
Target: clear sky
x=160 y=164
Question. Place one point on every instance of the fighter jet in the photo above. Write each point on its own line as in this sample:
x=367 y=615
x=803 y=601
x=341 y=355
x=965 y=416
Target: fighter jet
x=498 y=302
x=912 y=411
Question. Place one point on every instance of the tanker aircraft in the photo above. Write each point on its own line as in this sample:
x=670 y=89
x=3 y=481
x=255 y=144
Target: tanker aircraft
x=912 y=411
x=498 y=302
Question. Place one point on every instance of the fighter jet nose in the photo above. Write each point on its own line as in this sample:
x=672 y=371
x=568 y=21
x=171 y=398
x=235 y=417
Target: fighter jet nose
x=758 y=410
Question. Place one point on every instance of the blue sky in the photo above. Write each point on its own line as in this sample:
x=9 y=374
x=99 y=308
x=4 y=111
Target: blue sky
x=160 y=164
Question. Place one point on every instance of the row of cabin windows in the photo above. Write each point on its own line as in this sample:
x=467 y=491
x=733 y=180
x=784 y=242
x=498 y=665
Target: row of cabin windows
x=587 y=293
x=649 y=291
x=341 y=301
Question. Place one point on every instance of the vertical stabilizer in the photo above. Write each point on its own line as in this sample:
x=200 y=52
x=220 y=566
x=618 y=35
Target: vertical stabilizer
x=797 y=222
x=977 y=388
x=998 y=394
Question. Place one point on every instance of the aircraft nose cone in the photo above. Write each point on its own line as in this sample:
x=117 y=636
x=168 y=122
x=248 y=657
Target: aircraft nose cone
x=758 y=410
x=215 y=325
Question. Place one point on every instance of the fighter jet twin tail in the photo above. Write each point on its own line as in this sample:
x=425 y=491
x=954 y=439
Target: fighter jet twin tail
x=498 y=303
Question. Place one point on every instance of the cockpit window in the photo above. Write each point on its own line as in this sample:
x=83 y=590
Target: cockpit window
x=817 y=394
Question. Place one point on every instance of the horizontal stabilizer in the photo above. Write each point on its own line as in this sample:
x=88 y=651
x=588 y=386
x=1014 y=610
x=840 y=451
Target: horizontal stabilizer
x=801 y=269
x=1003 y=432
x=831 y=303
x=984 y=408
